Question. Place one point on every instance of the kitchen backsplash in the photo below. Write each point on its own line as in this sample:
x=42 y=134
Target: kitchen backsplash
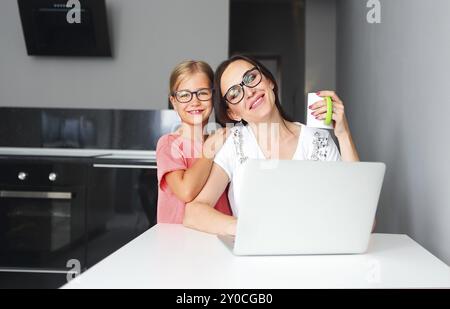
x=84 y=128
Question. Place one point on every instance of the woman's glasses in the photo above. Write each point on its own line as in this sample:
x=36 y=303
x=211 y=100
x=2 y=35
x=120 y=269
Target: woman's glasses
x=185 y=96
x=250 y=79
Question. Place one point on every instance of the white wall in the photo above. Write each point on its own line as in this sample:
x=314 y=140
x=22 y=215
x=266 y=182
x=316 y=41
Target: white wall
x=148 y=38
x=320 y=42
x=394 y=79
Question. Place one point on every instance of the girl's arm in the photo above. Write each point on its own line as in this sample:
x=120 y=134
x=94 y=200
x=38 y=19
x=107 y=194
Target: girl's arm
x=200 y=213
x=187 y=184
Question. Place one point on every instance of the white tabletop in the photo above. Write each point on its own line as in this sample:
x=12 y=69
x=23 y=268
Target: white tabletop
x=172 y=256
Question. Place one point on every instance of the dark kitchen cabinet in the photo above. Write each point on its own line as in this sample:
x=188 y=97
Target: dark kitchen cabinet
x=42 y=216
x=53 y=211
x=122 y=200
x=59 y=207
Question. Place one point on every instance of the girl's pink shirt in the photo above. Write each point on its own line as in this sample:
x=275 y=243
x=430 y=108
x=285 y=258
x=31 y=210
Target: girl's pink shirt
x=174 y=153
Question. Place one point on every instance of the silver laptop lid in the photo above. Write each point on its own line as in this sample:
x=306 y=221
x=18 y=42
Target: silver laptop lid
x=306 y=207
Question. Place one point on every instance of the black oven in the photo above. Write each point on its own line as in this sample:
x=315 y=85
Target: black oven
x=42 y=217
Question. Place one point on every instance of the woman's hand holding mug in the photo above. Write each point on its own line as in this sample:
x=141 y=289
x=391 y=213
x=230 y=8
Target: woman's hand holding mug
x=319 y=111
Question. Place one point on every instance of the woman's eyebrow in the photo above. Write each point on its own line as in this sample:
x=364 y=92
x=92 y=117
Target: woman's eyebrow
x=241 y=77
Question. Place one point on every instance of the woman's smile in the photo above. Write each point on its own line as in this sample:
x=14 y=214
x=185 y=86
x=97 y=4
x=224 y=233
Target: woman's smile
x=257 y=101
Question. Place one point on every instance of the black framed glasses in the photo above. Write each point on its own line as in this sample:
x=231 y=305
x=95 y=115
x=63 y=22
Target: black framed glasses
x=185 y=96
x=250 y=79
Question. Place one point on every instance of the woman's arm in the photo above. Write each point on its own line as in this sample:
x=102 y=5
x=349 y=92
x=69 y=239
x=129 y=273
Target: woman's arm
x=200 y=213
x=341 y=128
x=348 y=148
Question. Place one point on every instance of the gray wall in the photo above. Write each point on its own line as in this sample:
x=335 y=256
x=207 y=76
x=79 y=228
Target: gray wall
x=320 y=38
x=393 y=78
x=148 y=38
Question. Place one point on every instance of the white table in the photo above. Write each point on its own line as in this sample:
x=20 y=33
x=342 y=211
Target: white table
x=172 y=256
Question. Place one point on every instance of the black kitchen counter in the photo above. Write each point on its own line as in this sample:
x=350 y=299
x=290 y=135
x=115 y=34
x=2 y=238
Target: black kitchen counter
x=40 y=159
x=108 y=159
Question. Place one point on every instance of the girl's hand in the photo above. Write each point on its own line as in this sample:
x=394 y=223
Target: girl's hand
x=319 y=110
x=214 y=143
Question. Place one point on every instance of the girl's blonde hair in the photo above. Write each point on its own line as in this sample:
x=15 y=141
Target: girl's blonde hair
x=186 y=68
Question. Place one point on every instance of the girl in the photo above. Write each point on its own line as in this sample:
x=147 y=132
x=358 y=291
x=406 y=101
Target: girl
x=183 y=162
x=247 y=94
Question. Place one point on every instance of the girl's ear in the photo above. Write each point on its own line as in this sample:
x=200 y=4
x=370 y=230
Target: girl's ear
x=232 y=115
x=172 y=101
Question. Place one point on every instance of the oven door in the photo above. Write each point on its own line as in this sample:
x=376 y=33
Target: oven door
x=42 y=229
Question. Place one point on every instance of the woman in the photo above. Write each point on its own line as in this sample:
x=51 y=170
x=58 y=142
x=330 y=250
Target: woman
x=247 y=93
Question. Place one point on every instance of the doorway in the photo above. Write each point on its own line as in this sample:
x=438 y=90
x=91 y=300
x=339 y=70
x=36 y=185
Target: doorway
x=273 y=32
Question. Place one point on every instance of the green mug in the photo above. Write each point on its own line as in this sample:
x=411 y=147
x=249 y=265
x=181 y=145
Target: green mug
x=311 y=121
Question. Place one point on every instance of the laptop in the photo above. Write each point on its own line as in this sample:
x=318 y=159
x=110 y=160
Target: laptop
x=305 y=207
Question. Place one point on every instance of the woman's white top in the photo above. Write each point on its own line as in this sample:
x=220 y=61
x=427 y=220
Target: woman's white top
x=313 y=144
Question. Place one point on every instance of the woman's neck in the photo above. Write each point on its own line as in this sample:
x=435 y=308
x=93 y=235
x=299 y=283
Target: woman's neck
x=275 y=134
x=273 y=123
x=192 y=132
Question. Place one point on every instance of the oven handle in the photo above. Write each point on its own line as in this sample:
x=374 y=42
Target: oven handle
x=36 y=195
x=150 y=167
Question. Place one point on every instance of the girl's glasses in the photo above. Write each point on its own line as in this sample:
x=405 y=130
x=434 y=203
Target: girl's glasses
x=185 y=96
